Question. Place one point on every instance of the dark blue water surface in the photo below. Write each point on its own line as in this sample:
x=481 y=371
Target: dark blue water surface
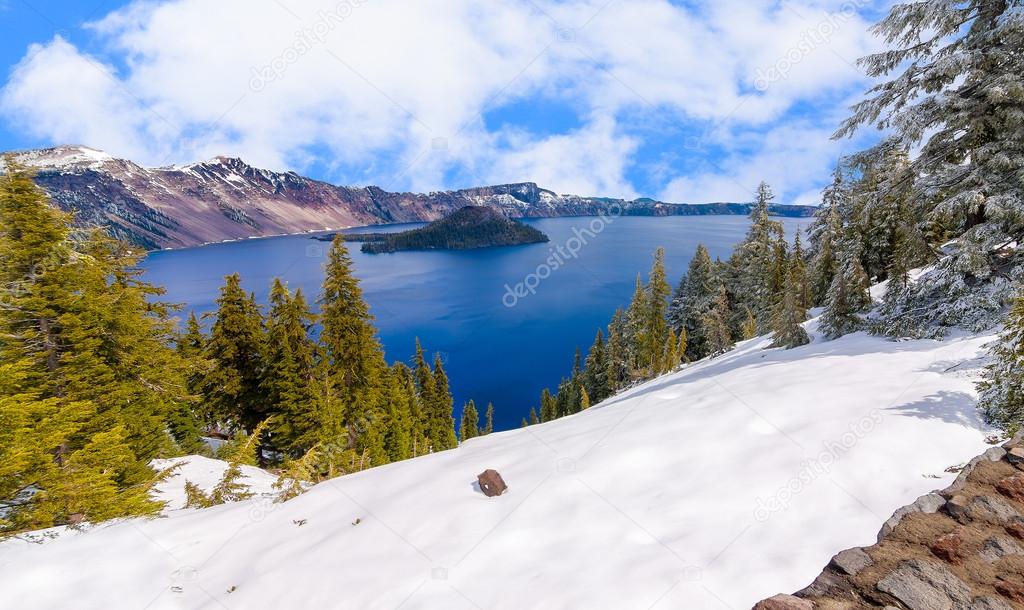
x=498 y=345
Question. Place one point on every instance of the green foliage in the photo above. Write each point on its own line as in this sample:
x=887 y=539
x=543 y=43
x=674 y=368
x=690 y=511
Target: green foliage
x=470 y=425
x=235 y=348
x=90 y=381
x=1001 y=393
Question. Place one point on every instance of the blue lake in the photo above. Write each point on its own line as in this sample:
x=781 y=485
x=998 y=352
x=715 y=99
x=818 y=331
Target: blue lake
x=506 y=320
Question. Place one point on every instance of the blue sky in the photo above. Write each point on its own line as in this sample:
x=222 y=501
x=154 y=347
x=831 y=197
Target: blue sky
x=682 y=101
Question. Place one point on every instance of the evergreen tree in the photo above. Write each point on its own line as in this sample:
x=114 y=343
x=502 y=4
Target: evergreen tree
x=488 y=420
x=798 y=269
x=548 y=407
x=715 y=326
x=790 y=312
x=757 y=259
x=288 y=370
x=617 y=353
x=442 y=424
x=584 y=399
x=351 y=349
x=89 y=380
x=636 y=328
x=848 y=294
x=231 y=389
x=825 y=233
x=595 y=377
x=533 y=417
x=694 y=299
x=657 y=330
x=470 y=426
x=1001 y=393
x=951 y=66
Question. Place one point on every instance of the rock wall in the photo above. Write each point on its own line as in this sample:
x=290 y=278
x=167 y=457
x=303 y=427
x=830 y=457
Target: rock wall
x=960 y=548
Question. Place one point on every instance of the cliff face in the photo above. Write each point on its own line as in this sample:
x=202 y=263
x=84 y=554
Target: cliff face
x=961 y=548
x=225 y=198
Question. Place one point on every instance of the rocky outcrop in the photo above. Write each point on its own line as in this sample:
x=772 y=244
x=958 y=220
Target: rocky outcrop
x=960 y=548
x=225 y=198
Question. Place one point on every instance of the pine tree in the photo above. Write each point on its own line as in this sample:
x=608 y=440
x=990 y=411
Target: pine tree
x=442 y=424
x=698 y=294
x=715 y=326
x=584 y=399
x=952 y=67
x=757 y=259
x=231 y=388
x=548 y=407
x=595 y=377
x=636 y=329
x=798 y=270
x=470 y=426
x=488 y=420
x=617 y=353
x=1001 y=393
x=656 y=331
x=533 y=417
x=91 y=382
x=825 y=233
x=352 y=351
x=288 y=370
x=790 y=313
x=848 y=294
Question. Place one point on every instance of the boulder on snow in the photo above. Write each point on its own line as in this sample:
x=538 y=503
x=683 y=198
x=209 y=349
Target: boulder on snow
x=491 y=483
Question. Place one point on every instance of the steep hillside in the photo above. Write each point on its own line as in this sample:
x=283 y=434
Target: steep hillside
x=225 y=198
x=712 y=487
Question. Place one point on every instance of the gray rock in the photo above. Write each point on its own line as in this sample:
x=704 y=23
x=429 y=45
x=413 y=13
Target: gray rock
x=991 y=509
x=924 y=585
x=1000 y=546
x=827 y=584
x=990 y=603
x=1015 y=456
x=928 y=503
x=851 y=561
x=956 y=507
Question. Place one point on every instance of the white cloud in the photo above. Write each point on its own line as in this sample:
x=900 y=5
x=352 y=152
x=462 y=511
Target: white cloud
x=369 y=87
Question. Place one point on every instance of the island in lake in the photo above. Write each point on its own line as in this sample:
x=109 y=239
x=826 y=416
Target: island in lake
x=467 y=228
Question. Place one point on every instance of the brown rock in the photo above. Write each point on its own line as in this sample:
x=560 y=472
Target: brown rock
x=783 y=602
x=1016 y=530
x=1012 y=487
x=1015 y=456
x=949 y=547
x=491 y=483
x=1012 y=590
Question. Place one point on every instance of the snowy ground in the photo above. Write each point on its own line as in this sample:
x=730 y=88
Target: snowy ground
x=726 y=482
x=205 y=473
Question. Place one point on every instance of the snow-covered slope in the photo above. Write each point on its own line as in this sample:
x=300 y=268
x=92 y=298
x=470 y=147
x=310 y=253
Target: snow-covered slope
x=713 y=487
x=205 y=473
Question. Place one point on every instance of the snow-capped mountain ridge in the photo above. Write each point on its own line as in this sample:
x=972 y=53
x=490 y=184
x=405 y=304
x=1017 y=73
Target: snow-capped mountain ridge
x=225 y=198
